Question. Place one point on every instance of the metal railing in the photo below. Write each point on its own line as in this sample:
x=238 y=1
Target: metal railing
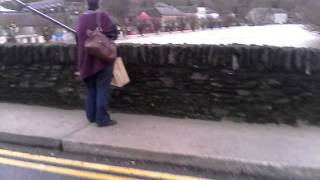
x=46 y=16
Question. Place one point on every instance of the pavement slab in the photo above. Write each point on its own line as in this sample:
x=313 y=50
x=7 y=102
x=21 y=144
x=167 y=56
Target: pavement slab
x=38 y=126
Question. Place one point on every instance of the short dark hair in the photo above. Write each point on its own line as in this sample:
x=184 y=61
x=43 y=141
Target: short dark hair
x=93 y=4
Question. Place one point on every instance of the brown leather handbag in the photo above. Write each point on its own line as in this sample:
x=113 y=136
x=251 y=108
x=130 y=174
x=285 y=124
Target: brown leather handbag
x=100 y=46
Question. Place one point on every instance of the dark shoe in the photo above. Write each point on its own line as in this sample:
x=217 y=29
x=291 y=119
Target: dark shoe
x=110 y=123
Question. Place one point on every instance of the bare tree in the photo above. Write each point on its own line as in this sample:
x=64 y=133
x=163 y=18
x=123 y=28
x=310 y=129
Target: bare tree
x=141 y=27
x=156 y=23
x=193 y=22
x=189 y=3
x=309 y=12
x=11 y=29
x=47 y=32
x=147 y=3
x=170 y=25
x=118 y=8
x=182 y=23
x=14 y=5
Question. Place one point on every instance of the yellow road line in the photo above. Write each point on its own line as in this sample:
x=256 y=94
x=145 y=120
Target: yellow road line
x=94 y=166
x=60 y=170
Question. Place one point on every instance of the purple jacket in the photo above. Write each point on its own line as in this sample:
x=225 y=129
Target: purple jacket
x=89 y=65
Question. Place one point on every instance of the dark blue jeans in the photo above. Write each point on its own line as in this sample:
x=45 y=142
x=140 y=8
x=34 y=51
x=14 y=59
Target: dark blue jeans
x=98 y=95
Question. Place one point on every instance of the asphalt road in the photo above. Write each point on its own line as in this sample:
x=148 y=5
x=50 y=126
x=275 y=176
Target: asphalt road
x=28 y=172
x=14 y=173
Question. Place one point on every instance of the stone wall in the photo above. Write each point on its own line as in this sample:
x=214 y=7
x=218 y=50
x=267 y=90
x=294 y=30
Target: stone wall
x=257 y=83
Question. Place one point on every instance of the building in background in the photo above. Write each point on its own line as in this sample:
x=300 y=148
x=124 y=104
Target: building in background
x=5 y=10
x=163 y=14
x=65 y=11
x=70 y=8
x=263 y=16
x=178 y=18
x=74 y=8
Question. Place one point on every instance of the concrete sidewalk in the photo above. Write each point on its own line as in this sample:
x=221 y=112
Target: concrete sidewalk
x=266 y=150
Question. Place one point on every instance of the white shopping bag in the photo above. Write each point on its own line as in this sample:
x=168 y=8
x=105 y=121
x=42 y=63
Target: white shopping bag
x=120 y=75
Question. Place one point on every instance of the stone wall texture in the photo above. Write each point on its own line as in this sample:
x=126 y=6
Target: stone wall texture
x=256 y=83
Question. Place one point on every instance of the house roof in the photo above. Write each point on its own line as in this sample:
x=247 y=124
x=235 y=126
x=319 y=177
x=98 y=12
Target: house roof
x=161 y=4
x=144 y=17
x=267 y=10
x=134 y=12
x=169 y=11
x=210 y=11
x=157 y=11
x=2 y=9
x=29 y=19
x=278 y=10
x=46 y=4
x=153 y=12
x=194 y=10
x=188 y=9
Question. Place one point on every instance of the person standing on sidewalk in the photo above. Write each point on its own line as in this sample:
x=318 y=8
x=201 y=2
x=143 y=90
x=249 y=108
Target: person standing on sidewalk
x=95 y=73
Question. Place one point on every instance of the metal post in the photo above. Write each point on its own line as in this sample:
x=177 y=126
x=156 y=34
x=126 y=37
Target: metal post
x=45 y=16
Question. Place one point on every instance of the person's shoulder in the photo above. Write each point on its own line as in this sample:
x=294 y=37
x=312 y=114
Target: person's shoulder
x=104 y=13
x=84 y=15
x=106 y=16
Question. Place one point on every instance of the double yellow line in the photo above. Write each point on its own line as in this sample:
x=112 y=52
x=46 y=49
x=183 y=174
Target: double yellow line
x=59 y=170
x=83 y=165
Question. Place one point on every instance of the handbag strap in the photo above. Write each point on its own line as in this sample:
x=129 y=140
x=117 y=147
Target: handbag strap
x=98 y=19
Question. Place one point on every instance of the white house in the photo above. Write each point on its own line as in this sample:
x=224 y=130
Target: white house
x=204 y=12
x=262 y=16
x=280 y=18
x=5 y=10
x=201 y=12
